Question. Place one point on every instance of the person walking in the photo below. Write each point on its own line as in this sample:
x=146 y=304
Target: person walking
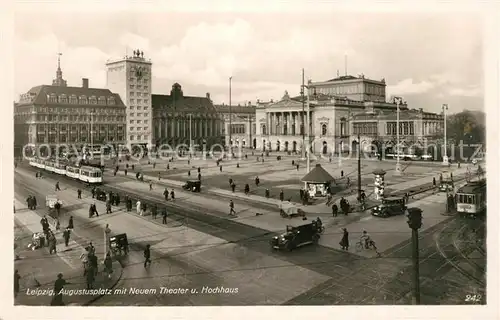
x=335 y=210
x=233 y=186
x=93 y=191
x=147 y=256
x=108 y=265
x=150 y=186
x=282 y=195
x=154 y=211
x=257 y=181
x=79 y=192
x=108 y=206
x=247 y=189
x=94 y=208
x=138 y=207
x=17 y=277
x=90 y=277
x=232 y=212
x=165 y=194
x=164 y=216
x=57 y=186
x=66 y=236
x=59 y=284
x=172 y=195
x=71 y=225
x=344 y=242
x=267 y=193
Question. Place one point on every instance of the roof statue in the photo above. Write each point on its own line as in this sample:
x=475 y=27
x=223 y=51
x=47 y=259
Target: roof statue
x=318 y=175
x=142 y=54
x=286 y=96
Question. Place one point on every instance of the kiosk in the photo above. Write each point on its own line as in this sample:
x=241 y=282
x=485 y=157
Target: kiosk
x=317 y=182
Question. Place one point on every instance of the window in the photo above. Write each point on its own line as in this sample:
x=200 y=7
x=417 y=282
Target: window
x=139 y=86
x=131 y=128
x=146 y=114
x=139 y=137
x=102 y=100
x=146 y=128
x=131 y=93
x=111 y=100
x=132 y=114
x=139 y=101
x=264 y=129
x=146 y=101
x=412 y=129
x=132 y=101
x=145 y=121
x=139 y=121
x=139 y=128
x=131 y=121
x=139 y=114
x=146 y=137
x=83 y=100
x=63 y=99
x=146 y=87
x=132 y=137
x=145 y=108
x=131 y=107
x=131 y=86
x=323 y=129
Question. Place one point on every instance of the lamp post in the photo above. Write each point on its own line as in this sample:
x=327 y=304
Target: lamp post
x=359 y=167
x=91 y=134
x=445 y=156
x=190 y=136
x=415 y=223
x=398 y=165
x=303 y=115
x=230 y=120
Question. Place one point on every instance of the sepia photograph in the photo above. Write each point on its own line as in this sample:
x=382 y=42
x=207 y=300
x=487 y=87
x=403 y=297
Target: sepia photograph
x=249 y=158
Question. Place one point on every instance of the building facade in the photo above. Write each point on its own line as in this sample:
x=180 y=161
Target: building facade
x=177 y=117
x=131 y=77
x=416 y=128
x=281 y=125
x=241 y=130
x=58 y=114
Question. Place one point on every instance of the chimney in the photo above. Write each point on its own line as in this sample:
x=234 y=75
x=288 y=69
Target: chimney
x=85 y=83
x=208 y=95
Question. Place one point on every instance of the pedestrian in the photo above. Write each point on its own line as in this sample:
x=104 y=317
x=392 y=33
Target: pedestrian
x=257 y=181
x=52 y=243
x=296 y=166
x=267 y=193
x=57 y=186
x=79 y=192
x=301 y=193
x=154 y=165
x=17 y=277
x=172 y=195
x=58 y=225
x=129 y=205
x=34 y=202
x=108 y=207
x=93 y=192
x=108 y=265
x=231 y=208
x=434 y=181
x=199 y=170
x=90 y=277
x=66 y=236
x=147 y=255
x=220 y=168
x=247 y=189
x=57 y=206
x=59 y=284
x=230 y=181
x=165 y=194
x=133 y=167
x=233 y=187
x=282 y=195
x=168 y=166
x=29 y=202
x=70 y=223
x=94 y=208
x=164 y=216
x=328 y=199
x=335 y=210
x=341 y=173
x=154 y=211
x=199 y=176
x=138 y=207
x=125 y=172
x=344 y=242
x=36 y=175
x=117 y=199
x=150 y=186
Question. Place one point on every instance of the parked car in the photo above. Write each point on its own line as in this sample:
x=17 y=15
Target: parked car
x=390 y=206
x=446 y=185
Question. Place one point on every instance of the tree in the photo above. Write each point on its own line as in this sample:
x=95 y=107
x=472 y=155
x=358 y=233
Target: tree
x=467 y=126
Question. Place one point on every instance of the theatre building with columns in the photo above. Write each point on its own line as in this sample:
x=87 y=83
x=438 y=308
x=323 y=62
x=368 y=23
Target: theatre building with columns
x=176 y=117
x=240 y=131
x=339 y=109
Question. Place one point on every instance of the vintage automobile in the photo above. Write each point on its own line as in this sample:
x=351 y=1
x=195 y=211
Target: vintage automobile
x=119 y=244
x=295 y=237
x=390 y=206
x=446 y=185
x=192 y=185
x=289 y=210
x=100 y=195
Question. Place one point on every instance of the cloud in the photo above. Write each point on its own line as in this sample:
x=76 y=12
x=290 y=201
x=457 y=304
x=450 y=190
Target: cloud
x=471 y=91
x=133 y=41
x=407 y=86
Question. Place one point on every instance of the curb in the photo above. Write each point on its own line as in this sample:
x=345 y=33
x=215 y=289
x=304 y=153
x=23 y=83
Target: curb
x=94 y=299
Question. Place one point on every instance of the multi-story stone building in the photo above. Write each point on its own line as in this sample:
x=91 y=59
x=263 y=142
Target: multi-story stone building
x=416 y=128
x=131 y=77
x=241 y=130
x=58 y=114
x=332 y=105
x=176 y=117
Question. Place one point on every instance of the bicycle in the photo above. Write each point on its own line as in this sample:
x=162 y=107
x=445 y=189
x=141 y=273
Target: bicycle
x=360 y=245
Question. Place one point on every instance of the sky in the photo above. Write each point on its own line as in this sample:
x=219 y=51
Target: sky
x=427 y=58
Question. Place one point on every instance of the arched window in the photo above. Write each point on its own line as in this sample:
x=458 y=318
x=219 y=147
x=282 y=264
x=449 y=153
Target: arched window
x=323 y=130
x=343 y=127
x=264 y=129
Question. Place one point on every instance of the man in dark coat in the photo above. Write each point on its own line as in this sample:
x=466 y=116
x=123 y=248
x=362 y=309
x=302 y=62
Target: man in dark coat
x=165 y=194
x=257 y=181
x=164 y=216
x=58 y=286
x=282 y=195
x=267 y=193
x=335 y=210
x=79 y=192
x=154 y=211
x=66 y=236
x=108 y=207
x=147 y=255
x=70 y=223
x=172 y=195
x=344 y=243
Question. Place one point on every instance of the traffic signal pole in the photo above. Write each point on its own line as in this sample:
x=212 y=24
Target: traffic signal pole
x=416 y=269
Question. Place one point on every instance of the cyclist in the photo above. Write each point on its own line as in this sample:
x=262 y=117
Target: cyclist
x=365 y=238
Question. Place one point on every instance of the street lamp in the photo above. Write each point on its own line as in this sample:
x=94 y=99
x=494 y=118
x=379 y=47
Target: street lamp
x=398 y=165
x=91 y=134
x=445 y=156
x=230 y=115
x=190 y=136
x=308 y=120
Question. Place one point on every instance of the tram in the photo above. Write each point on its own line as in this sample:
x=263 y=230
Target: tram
x=86 y=174
x=471 y=198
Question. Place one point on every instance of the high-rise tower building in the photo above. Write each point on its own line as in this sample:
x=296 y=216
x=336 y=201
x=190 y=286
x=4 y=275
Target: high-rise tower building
x=131 y=78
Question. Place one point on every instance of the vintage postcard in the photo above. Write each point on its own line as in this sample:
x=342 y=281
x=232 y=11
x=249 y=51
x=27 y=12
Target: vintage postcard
x=255 y=156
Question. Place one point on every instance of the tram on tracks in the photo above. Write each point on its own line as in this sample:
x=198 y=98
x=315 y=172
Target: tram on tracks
x=471 y=198
x=86 y=174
